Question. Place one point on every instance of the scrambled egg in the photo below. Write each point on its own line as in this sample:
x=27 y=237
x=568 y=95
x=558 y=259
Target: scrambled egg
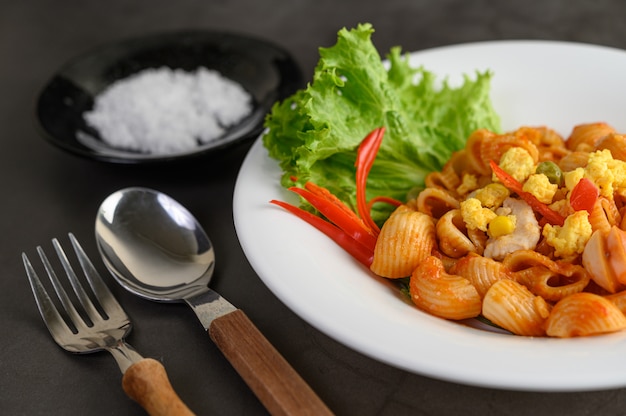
x=539 y=185
x=572 y=177
x=518 y=163
x=599 y=171
x=619 y=172
x=562 y=206
x=572 y=237
x=468 y=184
x=475 y=216
x=492 y=195
x=605 y=171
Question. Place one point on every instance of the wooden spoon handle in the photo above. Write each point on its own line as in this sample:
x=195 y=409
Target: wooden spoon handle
x=277 y=385
x=147 y=383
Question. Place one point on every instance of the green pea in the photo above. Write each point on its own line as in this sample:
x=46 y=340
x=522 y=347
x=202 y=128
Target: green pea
x=552 y=171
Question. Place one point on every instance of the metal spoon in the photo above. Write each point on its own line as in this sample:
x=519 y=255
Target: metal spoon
x=156 y=249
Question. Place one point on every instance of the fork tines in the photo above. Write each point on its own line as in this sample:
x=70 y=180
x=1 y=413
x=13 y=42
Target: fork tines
x=106 y=302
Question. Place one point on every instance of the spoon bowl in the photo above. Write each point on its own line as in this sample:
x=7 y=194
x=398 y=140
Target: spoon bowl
x=156 y=249
x=153 y=246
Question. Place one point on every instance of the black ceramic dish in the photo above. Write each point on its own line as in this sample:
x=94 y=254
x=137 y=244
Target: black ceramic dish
x=265 y=70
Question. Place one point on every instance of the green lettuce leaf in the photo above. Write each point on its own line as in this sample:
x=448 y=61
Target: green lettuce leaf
x=314 y=133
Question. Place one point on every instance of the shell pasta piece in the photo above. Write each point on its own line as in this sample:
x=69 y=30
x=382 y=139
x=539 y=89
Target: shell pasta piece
x=605 y=259
x=604 y=215
x=494 y=147
x=550 y=144
x=573 y=160
x=619 y=300
x=585 y=136
x=453 y=237
x=435 y=202
x=482 y=272
x=446 y=179
x=405 y=239
x=441 y=294
x=616 y=143
x=552 y=280
x=474 y=148
x=515 y=308
x=584 y=314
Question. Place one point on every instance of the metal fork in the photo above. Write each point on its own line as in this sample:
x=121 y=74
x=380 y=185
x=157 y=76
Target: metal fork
x=100 y=326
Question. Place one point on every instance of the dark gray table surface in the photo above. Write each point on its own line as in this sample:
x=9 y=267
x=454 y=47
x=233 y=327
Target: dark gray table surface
x=47 y=193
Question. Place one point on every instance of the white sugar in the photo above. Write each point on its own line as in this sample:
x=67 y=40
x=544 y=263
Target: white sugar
x=164 y=111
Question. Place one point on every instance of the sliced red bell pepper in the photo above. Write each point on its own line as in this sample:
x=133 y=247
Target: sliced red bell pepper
x=337 y=213
x=366 y=155
x=514 y=185
x=584 y=195
x=345 y=241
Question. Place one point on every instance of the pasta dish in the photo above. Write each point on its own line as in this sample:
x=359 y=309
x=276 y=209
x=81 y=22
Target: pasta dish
x=524 y=229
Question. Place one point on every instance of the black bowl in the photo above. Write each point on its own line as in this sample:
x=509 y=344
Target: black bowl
x=267 y=72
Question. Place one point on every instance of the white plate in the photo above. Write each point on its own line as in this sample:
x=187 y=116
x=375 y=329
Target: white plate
x=535 y=83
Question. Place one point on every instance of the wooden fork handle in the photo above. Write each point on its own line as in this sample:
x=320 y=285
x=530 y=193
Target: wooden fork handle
x=277 y=385
x=147 y=383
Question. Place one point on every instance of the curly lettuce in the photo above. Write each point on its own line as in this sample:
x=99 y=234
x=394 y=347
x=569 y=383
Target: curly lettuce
x=315 y=132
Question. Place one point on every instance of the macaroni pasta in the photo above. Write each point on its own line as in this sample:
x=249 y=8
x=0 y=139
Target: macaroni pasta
x=524 y=228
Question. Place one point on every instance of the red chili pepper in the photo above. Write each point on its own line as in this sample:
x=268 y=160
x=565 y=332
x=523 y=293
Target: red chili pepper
x=366 y=155
x=337 y=213
x=327 y=195
x=356 y=234
x=584 y=195
x=384 y=199
x=514 y=185
x=345 y=241
x=506 y=179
